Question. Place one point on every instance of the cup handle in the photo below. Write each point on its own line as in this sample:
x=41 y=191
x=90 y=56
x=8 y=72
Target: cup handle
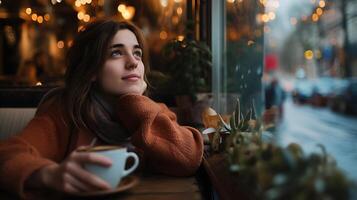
x=134 y=166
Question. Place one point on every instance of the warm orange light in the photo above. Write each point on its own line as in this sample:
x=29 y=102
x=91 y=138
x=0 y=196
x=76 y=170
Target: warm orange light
x=322 y=3
x=128 y=13
x=179 y=10
x=265 y=18
x=163 y=35
x=164 y=3
x=77 y=3
x=28 y=11
x=230 y=1
x=80 y=15
x=34 y=17
x=180 y=38
x=121 y=8
x=47 y=17
x=271 y=15
x=86 y=18
x=319 y=11
x=60 y=44
x=40 y=19
x=309 y=54
x=315 y=17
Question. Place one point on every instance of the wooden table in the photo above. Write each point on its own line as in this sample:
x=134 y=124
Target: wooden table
x=163 y=187
x=150 y=187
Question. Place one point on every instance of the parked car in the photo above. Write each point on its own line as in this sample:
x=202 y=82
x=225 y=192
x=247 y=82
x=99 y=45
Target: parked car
x=322 y=90
x=344 y=97
x=303 y=91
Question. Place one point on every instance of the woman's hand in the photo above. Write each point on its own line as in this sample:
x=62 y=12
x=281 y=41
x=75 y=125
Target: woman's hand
x=70 y=176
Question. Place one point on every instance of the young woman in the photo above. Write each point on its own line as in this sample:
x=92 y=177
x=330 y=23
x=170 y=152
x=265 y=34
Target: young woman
x=103 y=100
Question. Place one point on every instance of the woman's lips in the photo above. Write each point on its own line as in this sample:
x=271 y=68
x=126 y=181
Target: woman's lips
x=131 y=77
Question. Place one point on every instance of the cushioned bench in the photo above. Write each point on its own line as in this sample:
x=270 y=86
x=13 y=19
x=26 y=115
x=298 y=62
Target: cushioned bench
x=17 y=108
x=13 y=120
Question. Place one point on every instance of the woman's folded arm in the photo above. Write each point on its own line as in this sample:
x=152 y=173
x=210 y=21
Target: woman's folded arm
x=168 y=147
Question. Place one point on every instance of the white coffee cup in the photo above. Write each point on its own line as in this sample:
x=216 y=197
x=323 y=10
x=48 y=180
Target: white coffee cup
x=113 y=174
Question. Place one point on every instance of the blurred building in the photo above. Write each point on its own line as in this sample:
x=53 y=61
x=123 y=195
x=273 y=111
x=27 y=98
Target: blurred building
x=338 y=38
x=47 y=27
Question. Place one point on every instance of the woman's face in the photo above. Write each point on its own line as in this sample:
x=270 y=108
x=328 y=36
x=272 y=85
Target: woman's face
x=123 y=70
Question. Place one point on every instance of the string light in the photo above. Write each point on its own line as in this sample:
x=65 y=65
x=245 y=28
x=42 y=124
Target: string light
x=322 y=3
x=164 y=3
x=80 y=15
x=180 y=38
x=79 y=3
x=47 y=17
x=34 y=17
x=28 y=11
x=86 y=18
x=265 y=18
x=40 y=19
x=121 y=8
x=271 y=15
x=126 y=11
x=60 y=44
x=315 y=17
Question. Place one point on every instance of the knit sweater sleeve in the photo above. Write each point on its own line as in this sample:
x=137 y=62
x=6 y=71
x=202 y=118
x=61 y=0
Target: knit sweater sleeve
x=168 y=147
x=36 y=146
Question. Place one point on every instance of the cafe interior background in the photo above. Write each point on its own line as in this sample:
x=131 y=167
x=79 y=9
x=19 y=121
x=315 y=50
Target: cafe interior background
x=302 y=52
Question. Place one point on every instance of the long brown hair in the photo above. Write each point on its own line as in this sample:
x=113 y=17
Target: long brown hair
x=85 y=59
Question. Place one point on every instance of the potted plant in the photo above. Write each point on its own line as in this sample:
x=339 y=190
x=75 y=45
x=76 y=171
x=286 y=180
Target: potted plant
x=270 y=171
x=188 y=65
x=188 y=68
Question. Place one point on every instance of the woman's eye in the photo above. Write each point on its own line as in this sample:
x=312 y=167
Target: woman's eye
x=138 y=54
x=116 y=53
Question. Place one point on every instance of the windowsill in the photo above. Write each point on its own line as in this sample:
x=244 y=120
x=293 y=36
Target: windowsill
x=225 y=184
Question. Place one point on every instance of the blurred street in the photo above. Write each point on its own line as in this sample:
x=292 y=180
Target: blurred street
x=308 y=126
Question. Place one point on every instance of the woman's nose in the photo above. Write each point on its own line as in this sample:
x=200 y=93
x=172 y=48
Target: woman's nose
x=131 y=63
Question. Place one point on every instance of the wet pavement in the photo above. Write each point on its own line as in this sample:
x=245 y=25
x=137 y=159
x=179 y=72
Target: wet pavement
x=308 y=126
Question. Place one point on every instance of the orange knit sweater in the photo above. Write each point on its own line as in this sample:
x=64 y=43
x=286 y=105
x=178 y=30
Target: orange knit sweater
x=167 y=147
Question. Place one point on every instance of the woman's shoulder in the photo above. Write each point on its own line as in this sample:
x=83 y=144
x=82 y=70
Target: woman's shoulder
x=52 y=101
